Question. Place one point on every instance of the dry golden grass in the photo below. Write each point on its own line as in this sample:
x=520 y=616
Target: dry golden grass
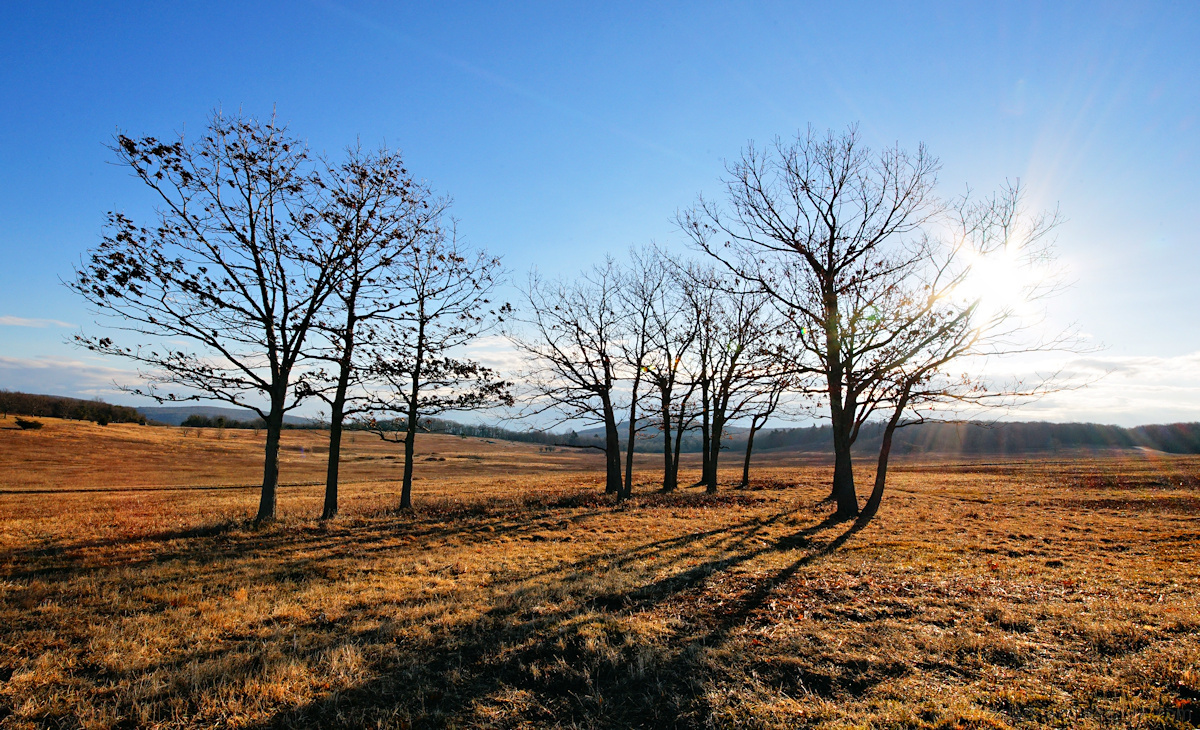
x=1016 y=594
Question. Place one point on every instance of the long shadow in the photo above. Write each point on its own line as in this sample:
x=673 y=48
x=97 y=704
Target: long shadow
x=513 y=651
x=229 y=540
x=515 y=646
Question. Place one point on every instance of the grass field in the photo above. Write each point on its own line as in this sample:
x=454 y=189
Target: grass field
x=134 y=592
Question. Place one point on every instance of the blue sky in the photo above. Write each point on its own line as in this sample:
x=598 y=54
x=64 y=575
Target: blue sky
x=565 y=131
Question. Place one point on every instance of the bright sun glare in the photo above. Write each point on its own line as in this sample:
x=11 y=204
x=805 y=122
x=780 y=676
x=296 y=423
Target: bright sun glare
x=1001 y=281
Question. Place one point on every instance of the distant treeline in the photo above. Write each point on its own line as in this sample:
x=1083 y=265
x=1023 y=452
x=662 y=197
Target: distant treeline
x=453 y=428
x=942 y=438
x=197 y=420
x=998 y=438
x=56 y=406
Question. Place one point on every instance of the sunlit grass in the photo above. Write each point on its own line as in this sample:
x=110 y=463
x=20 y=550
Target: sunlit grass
x=1015 y=594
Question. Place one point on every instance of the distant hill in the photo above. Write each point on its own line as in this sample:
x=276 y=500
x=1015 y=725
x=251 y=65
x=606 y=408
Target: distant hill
x=649 y=430
x=995 y=438
x=57 y=406
x=176 y=415
x=1001 y=439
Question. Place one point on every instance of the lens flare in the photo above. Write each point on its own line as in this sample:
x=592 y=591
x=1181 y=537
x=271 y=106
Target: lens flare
x=1000 y=282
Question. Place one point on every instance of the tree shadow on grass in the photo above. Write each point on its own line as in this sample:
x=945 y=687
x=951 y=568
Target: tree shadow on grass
x=579 y=643
x=585 y=662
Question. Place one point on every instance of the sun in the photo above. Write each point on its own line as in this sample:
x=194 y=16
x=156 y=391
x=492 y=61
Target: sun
x=999 y=282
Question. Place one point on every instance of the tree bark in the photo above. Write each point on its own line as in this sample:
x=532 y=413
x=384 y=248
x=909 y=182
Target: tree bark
x=670 y=473
x=330 y=509
x=872 y=505
x=714 y=445
x=705 y=433
x=612 y=451
x=628 y=489
x=336 y=416
x=337 y=411
x=749 y=447
x=410 y=440
x=842 y=417
x=410 y=433
x=843 y=478
x=841 y=411
x=679 y=431
x=274 y=420
x=885 y=449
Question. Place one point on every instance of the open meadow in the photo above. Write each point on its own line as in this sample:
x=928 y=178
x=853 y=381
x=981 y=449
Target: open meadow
x=134 y=590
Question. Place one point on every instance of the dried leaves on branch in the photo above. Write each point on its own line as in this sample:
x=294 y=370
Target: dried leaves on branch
x=221 y=291
x=416 y=369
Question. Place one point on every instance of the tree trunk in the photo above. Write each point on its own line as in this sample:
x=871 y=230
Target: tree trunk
x=410 y=440
x=670 y=474
x=679 y=431
x=705 y=434
x=843 y=465
x=410 y=433
x=841 y=409
x=330 y=509
x=628 y=490
x=337 y=413
x=872 y=505
x=714 y=444
x=843 y=478
x=266 y=502
x=749 y=447
x=612 y=451
x=885 y=449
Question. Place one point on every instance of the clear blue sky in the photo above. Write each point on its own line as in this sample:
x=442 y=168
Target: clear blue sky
x=564 y=131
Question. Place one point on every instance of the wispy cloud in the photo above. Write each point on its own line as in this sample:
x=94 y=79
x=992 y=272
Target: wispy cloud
x=495 y=351
x=1127 y=390
x=10 y=321
x=502 y=82
x=78 y=378
x=1123 y=390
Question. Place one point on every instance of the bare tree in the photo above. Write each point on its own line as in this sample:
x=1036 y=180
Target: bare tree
x=640 y=282
x=372 y=212
x=571 y=335
x=227 y=281
x=422 y=376
x=734 y=357
x=976 y=297
x=769 y=394
x=848 y=245
x=808 y=220
x=672 y=331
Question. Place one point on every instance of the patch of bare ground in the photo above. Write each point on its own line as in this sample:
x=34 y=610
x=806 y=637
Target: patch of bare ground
x=1020 y=594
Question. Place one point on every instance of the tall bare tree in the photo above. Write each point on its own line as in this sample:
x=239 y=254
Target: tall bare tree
x=641 y=279
x=848 y=245
x=228 y=280
x=420 y=363
x=769 y=395
x=976 y=297
x=372 y=212
x=673 y=329
x=808 y=221
x=571 y=334
x=734 y=357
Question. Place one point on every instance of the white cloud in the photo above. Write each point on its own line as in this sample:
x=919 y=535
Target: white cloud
x=495 y=351
x=10 y=321
x=73 y=377
x=1122 y=390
